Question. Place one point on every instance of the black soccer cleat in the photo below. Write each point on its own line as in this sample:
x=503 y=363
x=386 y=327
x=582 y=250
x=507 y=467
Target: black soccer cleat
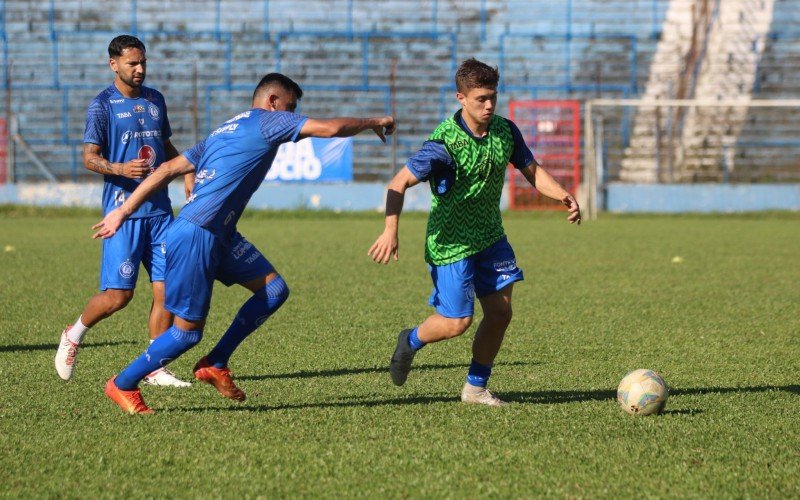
x=403 y=355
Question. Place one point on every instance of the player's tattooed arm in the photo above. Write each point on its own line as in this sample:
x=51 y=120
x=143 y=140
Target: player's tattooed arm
x=94 y=161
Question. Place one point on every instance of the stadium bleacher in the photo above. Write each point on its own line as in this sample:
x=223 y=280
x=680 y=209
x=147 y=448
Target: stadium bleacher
x=351 y=56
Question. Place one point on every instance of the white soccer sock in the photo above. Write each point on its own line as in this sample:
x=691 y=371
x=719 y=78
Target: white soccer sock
x=75 y=334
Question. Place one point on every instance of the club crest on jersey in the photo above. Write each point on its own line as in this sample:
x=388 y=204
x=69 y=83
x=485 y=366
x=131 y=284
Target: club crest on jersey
x=126 y=269
x=138 y=108
x=147 y=153
x=153 y=110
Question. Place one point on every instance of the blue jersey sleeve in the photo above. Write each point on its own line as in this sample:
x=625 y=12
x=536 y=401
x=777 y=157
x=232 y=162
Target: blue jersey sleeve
x=431 y=160
x=278 y=127
x=194 y=153
x=96 y=130
x=521 y=156
x=433 y=163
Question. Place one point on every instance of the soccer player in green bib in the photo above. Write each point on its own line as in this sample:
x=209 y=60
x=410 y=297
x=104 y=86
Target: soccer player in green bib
x=466 y=248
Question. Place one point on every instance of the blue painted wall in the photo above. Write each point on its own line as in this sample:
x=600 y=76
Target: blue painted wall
x=624 y=198
x=677 y=198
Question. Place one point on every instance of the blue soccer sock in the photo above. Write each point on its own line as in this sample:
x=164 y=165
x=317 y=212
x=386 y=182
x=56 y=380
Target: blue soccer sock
x=168 y=346
x=414 y=341
x=253 y=313
x=478 y=374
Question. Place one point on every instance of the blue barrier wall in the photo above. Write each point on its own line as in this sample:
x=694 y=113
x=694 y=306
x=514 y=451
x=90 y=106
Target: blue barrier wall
x=623 y=198
x=680 y=198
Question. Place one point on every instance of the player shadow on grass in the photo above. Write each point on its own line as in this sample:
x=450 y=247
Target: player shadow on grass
x=375 y=369
x=53 y=347
x=518 y=398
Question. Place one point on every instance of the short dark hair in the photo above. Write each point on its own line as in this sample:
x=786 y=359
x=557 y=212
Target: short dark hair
x=122 y=42
x=281 y=80
x=473 y=74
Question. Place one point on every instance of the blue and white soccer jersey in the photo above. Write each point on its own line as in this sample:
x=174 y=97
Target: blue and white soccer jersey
x=456 y=285
x=203 y=244
x=126 y=129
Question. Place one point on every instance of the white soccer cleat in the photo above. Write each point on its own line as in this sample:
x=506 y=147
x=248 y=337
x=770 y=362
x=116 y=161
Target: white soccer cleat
x=473 y=394
x=164 y=377
x=65 y=355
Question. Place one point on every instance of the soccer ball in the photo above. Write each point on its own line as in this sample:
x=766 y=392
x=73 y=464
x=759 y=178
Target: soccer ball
x=643 y=392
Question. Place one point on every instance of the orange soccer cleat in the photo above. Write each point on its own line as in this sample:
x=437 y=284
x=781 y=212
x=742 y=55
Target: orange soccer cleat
x=220 y=378
x=130 y=401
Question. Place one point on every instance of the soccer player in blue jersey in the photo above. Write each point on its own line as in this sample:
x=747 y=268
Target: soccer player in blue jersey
x=127 y=138
x=469 y=256
x=203 y=243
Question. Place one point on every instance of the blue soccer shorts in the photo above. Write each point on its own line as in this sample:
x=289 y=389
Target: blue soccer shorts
x=196 y=257
x=137 y=241
x=456 y=285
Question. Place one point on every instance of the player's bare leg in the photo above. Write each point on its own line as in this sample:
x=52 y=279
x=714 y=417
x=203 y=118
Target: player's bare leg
x=160 y=320
x=99 y=307
x=488 y=339
x=434 y=329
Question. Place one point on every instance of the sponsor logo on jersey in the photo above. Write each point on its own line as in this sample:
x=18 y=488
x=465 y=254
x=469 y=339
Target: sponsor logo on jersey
x=138 y=108
x=226 y=129
x=128 y=135
x=126 y=269
x=204 y=175
x=116 y=101
x=153 y=110
x=124 y=115
x=459 y=144
x=147 y=153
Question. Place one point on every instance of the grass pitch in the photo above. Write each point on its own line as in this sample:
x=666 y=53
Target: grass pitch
x=322 y=418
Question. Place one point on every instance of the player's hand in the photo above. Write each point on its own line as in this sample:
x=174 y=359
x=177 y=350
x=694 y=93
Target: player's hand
x=384 y=248
x=135 y=169
x=573 y=209
x=109 y=225
x=385 y=126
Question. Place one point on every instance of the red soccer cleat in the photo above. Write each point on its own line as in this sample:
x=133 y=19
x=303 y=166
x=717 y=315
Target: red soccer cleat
x=130 y=401
x=220 y=378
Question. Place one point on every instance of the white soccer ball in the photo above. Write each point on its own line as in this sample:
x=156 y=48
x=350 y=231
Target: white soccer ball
x=643 y=392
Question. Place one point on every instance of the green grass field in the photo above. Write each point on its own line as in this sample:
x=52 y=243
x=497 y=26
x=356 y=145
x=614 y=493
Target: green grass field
x=322 y=418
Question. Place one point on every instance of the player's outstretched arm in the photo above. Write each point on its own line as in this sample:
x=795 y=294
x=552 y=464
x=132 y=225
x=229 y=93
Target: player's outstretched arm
x=188 y=180
x=347 y=127
x=160 y=178
x=387 y=245
x=545 y=184
x=93 y=160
